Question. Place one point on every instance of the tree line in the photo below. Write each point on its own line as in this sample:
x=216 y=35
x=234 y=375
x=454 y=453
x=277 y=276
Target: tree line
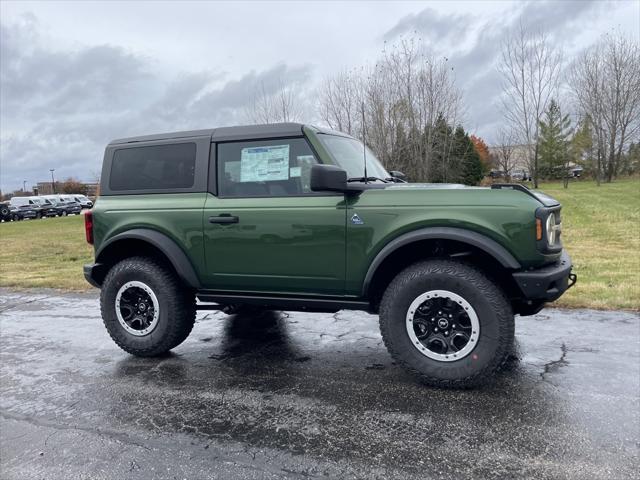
x=409 y=110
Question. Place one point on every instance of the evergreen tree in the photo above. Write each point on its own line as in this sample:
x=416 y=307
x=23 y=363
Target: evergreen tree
x=553 y=141
x=472 y=166
x=439 y=166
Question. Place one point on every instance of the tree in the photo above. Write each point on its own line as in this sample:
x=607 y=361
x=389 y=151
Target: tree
x=581 y=145
x=404 y=93
x=472 y=168
x=340 y=98
x=272 y=104
x=554 y=142
x=530 y=67
x=72 y=185
x=483 y=152
x=632 y=159
x=505 y=159
x=605 y=81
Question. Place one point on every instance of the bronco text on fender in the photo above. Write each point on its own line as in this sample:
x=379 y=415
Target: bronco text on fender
x=281 y=216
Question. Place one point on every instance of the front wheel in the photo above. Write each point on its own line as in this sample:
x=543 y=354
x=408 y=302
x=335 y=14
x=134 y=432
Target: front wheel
x=447 y=322
x=145 y=309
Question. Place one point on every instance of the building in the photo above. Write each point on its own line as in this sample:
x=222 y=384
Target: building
x=46 y=188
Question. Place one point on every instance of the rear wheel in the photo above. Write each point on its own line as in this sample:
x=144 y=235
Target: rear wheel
x=447 y=322
x=145 y=309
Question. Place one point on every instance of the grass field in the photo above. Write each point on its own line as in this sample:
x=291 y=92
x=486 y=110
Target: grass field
x=601 y=230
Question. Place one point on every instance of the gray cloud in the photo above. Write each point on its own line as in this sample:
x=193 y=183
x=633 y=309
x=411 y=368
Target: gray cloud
x=432 y=25
x=60 y=108
x=476 y=67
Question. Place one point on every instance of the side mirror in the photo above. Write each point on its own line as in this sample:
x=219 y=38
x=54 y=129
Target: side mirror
x=328 y=178
x=398 y=177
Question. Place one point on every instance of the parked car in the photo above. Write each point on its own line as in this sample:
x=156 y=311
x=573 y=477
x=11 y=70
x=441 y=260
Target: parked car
x=520 y=175
x=18 y=214
x=446 y=267
x=83 y=200
x=48 y=208
x=5 y=212
x=64 y=206
x=496 y=174
x=575 y=172
x=30 y=206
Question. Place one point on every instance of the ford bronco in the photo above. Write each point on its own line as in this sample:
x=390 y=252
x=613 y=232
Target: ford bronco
x=294 y=217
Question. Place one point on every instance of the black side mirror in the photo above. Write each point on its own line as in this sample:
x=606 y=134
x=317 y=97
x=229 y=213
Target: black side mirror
x=398 y=177
x=328 y=178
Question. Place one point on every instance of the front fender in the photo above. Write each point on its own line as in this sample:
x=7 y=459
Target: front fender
x=482 y=242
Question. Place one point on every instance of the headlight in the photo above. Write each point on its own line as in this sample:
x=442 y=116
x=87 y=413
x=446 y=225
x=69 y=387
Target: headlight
x=551 y=229
x=548 y=230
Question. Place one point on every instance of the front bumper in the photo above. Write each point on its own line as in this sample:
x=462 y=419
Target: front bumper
x=94 y=274
x=549 y=282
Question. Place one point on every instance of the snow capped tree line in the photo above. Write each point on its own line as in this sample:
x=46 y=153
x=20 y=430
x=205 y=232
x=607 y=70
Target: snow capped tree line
x=410 y=111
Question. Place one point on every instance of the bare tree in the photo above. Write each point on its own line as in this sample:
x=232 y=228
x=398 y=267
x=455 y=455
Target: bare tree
x=504 y=153
x=339 y=101
x=276 y=105
x=605 y=81
x=405 y=92
x=530 y=66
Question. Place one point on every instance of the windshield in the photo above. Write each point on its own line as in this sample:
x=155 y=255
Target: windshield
x=348 y=154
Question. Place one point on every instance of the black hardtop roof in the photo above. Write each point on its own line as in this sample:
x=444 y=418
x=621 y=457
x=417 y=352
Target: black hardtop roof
x=223 y=133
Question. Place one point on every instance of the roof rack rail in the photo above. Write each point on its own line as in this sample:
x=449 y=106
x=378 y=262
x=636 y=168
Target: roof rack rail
x=513 y=186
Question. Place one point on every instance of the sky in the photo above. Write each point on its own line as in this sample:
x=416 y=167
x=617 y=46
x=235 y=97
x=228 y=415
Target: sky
x=75 y=75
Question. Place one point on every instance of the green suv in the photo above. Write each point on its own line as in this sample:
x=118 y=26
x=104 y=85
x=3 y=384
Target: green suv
x=294 y=217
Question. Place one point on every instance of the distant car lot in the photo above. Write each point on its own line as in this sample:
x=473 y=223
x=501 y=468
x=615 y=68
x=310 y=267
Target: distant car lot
x=43 y=206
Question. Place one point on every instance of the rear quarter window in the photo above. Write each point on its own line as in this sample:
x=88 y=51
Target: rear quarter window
x=155 y=167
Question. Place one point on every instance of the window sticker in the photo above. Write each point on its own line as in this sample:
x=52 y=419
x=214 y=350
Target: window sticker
x=232 y=171
x=263 y=164
x=308 y=159
x=295 y=172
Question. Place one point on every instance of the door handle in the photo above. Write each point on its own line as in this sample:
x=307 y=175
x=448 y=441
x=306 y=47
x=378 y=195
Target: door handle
x=224 y=219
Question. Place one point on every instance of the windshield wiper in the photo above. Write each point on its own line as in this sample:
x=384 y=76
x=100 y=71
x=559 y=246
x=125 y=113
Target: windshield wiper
x=365 y=179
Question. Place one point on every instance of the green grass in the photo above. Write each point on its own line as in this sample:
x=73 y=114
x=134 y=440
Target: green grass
x=44 y=253
x=601 y=230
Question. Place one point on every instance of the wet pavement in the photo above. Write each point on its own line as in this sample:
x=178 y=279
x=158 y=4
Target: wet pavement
x=307 y=396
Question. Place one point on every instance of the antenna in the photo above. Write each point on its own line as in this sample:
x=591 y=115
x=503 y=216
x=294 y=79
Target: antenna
x=364 y=145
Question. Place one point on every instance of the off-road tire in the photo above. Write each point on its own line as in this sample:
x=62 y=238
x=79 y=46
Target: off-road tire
x=4 y=212
x=177 y=307
x=494 y=313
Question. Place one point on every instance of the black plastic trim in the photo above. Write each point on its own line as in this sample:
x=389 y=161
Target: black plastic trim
x=162 y=242
x=547 y=283
x=94 y=274
x=475 y=239
x=280 y=302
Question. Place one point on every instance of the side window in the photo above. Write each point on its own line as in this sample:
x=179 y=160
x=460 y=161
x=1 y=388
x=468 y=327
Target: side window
x=265 y=168
x=162 y=167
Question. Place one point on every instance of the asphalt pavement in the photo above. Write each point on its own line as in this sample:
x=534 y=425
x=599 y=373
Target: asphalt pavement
x=296 y=395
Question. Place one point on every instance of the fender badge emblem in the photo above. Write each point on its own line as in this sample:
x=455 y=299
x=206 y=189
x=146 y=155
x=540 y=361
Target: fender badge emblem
x=356 y=220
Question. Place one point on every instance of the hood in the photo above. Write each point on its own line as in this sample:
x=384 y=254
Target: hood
x=541 y=197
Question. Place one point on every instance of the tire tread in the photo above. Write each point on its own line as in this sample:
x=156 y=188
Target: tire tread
x=467 y=273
